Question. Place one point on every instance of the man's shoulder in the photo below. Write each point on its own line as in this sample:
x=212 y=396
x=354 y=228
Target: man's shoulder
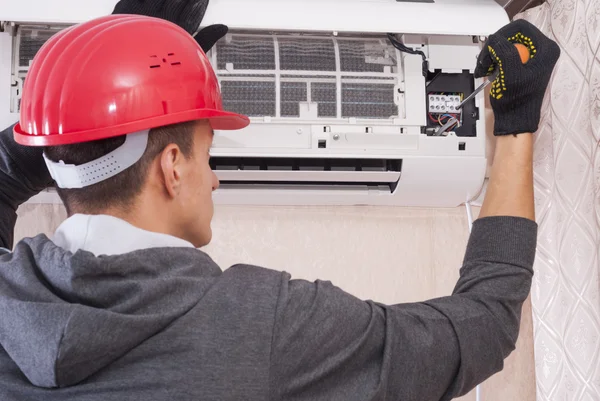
x=28 y=246
x=254 y=275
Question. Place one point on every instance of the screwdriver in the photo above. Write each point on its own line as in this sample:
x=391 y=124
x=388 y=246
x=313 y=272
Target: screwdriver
x=523 y=52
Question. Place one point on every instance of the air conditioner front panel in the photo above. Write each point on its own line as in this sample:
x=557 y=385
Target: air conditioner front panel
x=440 y=17
x=318 y=96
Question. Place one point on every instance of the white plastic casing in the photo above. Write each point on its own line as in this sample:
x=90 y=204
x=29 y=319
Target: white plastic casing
x=435 y=171
x=440 y=17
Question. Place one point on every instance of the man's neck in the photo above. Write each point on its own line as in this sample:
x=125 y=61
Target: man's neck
x=138 y=215
x=103 y=234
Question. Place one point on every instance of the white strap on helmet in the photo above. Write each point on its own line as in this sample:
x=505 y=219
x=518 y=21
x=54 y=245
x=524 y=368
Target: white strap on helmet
x=105 y=167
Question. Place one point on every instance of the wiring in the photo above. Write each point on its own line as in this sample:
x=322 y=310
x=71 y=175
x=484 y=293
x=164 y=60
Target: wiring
x=433 y=119
x=469 y=215
x=447 y=126
x=405 y=49
x=445 y=119
x=451 y=116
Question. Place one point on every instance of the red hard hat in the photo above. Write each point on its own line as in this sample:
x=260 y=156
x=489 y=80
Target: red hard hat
x=116 y=75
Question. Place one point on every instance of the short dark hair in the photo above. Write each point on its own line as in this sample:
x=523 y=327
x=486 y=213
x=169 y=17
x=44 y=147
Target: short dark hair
x=120 y=190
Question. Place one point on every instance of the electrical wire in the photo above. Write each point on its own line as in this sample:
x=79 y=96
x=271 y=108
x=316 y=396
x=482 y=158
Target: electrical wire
x=451 y=121
x=445 y=117
x=444 y=128
x=405 y=49
x=469 y=215
x=432 y=118
x=453 y=116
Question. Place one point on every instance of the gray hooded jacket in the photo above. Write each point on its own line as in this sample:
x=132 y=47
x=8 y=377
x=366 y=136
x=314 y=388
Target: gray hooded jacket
x=168 y=323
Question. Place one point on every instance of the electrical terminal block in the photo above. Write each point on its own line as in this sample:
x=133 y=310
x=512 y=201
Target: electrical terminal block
x=443 y=104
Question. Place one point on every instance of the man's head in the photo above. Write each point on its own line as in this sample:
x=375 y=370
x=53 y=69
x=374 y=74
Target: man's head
x=168 y=190
x=94 y=124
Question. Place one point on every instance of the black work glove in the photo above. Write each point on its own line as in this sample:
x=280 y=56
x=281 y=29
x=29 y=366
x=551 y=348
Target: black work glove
x=518 y=92
x=22 y=169
x=23 y=174
x=188 y=14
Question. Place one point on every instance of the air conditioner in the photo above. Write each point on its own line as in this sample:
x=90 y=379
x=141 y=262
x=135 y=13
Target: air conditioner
x=346 y=98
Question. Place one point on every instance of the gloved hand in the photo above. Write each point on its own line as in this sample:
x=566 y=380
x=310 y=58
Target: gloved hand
x=518 y=92
x=23 y=174
x=23 y=171
x=188 y=14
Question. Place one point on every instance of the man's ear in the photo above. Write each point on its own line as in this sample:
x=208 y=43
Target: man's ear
x=171 y=160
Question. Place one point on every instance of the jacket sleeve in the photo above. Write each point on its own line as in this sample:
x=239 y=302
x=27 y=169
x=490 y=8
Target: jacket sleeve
x=23 y=174
x=329 y=345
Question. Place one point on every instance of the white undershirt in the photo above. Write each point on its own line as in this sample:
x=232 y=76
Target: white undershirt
x=108 y=235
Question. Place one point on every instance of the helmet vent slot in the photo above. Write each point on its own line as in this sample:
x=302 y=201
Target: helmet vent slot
x=156 y=61
x=154 y=65
x=174 y=62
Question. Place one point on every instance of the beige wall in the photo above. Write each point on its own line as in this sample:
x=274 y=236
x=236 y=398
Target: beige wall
x=390 y=255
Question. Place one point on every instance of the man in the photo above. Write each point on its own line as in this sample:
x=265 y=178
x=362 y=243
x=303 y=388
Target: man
x=120 y=303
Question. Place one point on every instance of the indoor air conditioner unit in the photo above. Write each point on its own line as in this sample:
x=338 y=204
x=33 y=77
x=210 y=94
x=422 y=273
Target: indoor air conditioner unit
x=347 y=98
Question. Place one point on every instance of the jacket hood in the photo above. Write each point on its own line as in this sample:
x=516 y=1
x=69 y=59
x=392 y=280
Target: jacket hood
x=65 y=316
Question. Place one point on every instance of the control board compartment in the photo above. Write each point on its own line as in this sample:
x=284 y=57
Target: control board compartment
x=445 y=92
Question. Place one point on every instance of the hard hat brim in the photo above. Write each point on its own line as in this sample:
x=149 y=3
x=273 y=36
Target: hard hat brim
x=219 y=120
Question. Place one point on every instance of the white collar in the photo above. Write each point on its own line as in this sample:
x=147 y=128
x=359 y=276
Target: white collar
x=108 y=235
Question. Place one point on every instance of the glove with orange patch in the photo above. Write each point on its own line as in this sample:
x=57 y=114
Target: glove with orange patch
x=518 y=91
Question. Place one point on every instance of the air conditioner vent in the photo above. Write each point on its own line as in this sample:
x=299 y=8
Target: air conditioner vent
x=305 y=164
x=295 y=173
